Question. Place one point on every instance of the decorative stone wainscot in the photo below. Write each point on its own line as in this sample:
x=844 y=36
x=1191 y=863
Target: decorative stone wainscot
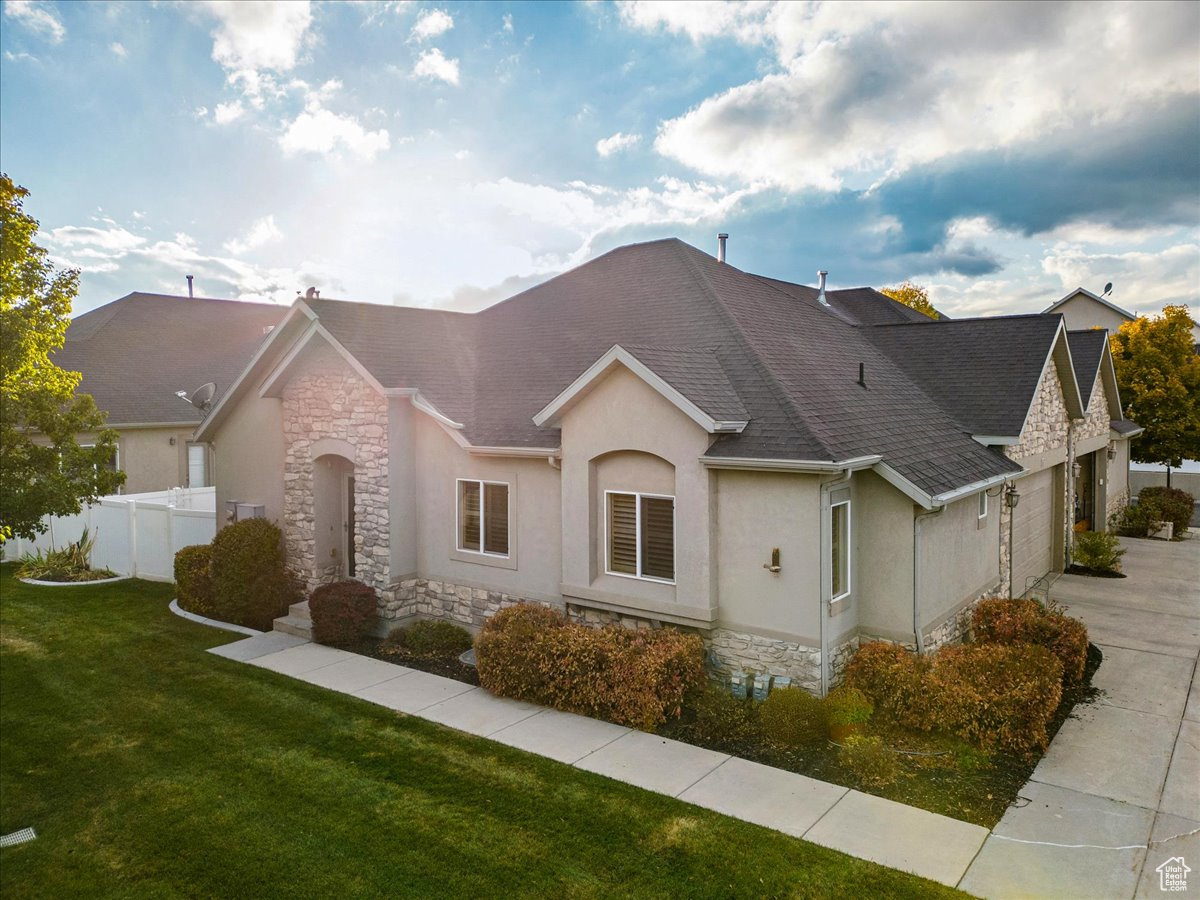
x=332 y=401
x=735 y=651
x=457 y=603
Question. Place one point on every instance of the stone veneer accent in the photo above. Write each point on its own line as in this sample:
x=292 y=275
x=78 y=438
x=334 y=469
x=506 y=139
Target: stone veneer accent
x=432 y=599
x=332 y=401
x=1046 y=428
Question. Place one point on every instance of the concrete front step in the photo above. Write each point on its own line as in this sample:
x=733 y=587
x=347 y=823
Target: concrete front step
x=294 y=625
x=299 y=610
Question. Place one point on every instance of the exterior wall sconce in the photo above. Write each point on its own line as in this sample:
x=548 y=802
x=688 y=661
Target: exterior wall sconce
x=1011 y=498
x=1112 y=449
x=773 y=566
x=1077 y=469
x=171 y=441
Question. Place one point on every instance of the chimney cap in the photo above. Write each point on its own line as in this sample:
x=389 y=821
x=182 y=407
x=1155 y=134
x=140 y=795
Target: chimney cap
x=722 y=237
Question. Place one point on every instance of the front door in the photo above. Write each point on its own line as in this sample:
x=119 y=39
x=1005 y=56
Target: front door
x=348 y=523
x=1085 y=493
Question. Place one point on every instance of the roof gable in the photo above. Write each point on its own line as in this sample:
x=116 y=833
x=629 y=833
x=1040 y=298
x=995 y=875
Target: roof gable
x=1084 y=292
x=692 y=380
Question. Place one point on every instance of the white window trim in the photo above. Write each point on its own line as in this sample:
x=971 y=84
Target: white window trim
x=482 y=517
x=849 y=546
x=188 y=459
x=637 y=525
x=983 y=505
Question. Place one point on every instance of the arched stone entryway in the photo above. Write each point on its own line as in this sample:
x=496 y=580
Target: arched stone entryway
x=333 y=517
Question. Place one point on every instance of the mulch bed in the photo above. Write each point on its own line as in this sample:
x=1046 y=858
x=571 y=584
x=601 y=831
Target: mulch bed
x=1093 y=573
x=446 y=666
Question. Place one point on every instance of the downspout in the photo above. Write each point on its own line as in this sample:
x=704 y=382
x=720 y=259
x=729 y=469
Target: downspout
x=1069 y=500
x=916 y=583
x=826 y=602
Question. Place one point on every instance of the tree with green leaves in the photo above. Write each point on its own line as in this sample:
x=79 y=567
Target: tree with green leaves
x=43 y=469
x=914 y=296
x=1158 y=375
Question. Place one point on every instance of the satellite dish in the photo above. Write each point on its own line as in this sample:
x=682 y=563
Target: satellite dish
x=1107 y=289
x=202 y=396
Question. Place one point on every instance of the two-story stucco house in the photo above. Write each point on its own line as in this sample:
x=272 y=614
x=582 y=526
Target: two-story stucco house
x=659 y=437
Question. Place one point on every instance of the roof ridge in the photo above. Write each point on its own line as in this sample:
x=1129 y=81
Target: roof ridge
x=778 y=392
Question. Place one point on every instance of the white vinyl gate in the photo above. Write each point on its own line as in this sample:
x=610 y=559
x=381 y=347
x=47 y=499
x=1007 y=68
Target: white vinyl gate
x=136 y=534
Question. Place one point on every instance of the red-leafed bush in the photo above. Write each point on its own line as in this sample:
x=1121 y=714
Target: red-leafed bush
x=1028 y=622
x=635 y=678
x=342 y=612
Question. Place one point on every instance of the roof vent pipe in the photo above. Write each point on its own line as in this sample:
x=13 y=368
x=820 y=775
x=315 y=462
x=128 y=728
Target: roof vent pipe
x=821 y=288
x=721 y=239
x=189 y=278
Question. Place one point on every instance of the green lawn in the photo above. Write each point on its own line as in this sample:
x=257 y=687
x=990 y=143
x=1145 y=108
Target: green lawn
x=149 y=767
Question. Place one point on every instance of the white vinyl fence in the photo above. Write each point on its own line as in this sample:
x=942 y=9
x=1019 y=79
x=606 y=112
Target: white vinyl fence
x=136 y=534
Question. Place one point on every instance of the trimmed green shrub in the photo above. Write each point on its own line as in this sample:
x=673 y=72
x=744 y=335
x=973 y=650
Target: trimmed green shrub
x=997 y=696
x=635 y=678
x=792 y=717
x=342 y=612
x=429 y=638
x=847 y=705
x=869 y=760
x=1135 y=519
x=250 y=584
x=1098 y=550
x=193 y=579
x=716 y=719
x=1028 y=622
x=1173 y=505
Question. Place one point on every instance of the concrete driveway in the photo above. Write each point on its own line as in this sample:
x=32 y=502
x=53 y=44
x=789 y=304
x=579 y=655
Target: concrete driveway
x=1118 y=793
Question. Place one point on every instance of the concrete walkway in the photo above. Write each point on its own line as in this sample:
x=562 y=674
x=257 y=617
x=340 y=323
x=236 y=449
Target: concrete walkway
x=895 y=835
x=1118 y=793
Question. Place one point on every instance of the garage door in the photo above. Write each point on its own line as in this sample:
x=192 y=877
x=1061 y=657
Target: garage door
x=1033 y=529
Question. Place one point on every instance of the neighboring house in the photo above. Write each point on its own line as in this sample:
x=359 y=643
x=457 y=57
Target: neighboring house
x=1081 y=309
x=137 y=352
x=658 y=437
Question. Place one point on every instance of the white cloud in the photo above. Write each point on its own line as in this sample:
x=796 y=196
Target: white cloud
x=112 y=260
x=432 y=64
x=118 y=49
x=699 y=19
x=228 y=112
x=259 y=34
x=861 y=92
x=21 y=57
x=264 y=231
x=508 y=23
x=200 y=112
x=318 y=130
x=40 y=18
x=617 y=143
x=431 y=23
x=1143 y=281
x=112 y=238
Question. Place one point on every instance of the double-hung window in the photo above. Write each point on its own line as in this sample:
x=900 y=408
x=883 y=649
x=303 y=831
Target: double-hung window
x=483 y=517
x=839 y=521
x=640 y=532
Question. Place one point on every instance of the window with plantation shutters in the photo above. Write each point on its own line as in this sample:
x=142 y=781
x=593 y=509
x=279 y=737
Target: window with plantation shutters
x=640 y=530
x=483 y=517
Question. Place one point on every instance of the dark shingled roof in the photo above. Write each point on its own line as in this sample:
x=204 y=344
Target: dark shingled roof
x=984 y=372
x=1087 y=349
x=697 y=374
x=790 y=364
x=859 y=306
x=136 y=352
x=1124 y=426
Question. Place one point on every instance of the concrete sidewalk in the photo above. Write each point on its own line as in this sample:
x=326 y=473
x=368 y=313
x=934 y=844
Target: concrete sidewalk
x=924 y=843
x=1118 y=793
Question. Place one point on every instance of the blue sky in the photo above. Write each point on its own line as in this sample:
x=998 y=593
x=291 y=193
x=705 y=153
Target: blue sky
x=451 y=154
